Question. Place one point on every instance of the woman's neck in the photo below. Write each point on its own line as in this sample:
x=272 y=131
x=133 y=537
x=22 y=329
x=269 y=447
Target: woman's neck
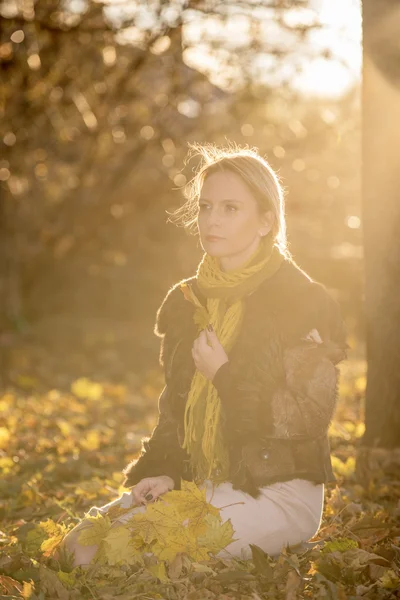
x=236 y=261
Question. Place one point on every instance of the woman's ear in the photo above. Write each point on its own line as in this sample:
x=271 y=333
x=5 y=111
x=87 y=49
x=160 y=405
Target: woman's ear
x=267 y=219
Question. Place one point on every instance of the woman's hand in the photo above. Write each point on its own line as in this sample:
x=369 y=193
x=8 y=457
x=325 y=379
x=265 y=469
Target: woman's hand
x=208 y=358
x=155 y=486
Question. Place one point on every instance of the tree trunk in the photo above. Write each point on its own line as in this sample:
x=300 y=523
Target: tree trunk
x=379 y=451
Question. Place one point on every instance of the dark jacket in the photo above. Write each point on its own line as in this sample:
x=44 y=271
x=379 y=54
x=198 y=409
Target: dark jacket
x=278 y=390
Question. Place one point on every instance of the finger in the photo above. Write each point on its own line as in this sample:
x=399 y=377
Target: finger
x=138 y=496
x=141 y=489
x=144 y=486
x=202 y=339
x=208 y=341
x=211 y=334
x=210 y=338
x=157 y=491
x=201 y=336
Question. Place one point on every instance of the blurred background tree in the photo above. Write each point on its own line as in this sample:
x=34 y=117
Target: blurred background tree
x=379 y=448
x=98 y=102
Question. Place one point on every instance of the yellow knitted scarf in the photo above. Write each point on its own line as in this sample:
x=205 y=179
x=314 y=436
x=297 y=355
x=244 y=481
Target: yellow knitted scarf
x=224 y=292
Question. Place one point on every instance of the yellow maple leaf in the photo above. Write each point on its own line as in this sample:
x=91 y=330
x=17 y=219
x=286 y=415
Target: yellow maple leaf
x=118 y=546
x=95 y=530
x=218 y=535
x=168 y=550
x=158 y=570
x=172 y=534
x=100 y=558
x=189 y=294
x=45 y=537
x=174 y=537
x=182 y=521
x=143 y=526
x=178 y=522
x=192 y=506
x=56 y=533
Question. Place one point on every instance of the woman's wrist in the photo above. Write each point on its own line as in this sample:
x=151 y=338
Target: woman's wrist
x=222 y=381
x=219 y=368
x=169 y=480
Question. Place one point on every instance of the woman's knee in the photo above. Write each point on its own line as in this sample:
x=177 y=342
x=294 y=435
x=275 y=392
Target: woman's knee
x=82 y=555
x=310 y=531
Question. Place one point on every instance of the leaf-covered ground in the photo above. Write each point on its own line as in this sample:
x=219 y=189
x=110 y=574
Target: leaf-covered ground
x=63 y=451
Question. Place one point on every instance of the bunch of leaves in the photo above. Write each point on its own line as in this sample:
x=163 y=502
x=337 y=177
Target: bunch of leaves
x=179 y=521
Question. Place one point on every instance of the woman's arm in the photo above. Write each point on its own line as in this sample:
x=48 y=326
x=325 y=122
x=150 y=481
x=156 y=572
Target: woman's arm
x=301 y=399
x=305 y=405
x=302 y=405
x=161 y=453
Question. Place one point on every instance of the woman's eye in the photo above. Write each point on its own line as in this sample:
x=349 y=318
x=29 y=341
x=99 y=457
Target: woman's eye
x=202 y=206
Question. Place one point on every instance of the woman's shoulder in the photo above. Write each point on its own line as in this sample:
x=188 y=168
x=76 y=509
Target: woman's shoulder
x=290 y=285
x=291 y=278
x=171 y=306
x=327 y=309
x=294 y=296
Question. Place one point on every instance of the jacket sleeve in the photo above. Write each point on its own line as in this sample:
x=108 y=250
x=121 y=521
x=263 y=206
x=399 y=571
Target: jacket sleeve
x=304 y=406
x=161 y=453
x=303 y=399
x=240 y=407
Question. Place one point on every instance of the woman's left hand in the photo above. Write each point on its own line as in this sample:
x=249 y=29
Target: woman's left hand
x=208 y=358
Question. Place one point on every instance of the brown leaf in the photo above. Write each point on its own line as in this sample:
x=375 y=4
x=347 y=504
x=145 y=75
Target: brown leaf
x=293 y=583
x=51 y=585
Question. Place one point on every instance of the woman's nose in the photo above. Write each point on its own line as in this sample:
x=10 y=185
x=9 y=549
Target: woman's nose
x=213 y=218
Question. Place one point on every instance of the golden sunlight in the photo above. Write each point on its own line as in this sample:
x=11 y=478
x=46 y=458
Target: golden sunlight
x=326 y=63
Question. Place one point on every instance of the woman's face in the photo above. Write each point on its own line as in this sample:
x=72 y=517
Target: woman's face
x=228 y=209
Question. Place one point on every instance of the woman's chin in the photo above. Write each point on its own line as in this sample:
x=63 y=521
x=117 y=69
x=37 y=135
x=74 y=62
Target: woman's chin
x=213 y=248
x=213 y=252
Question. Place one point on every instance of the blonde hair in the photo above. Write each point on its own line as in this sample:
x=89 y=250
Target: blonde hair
x=254 y=170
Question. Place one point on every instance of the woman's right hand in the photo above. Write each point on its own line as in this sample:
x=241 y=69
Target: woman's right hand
x=151 y=485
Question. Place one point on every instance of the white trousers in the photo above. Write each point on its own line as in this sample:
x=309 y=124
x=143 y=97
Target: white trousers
x=285 y=514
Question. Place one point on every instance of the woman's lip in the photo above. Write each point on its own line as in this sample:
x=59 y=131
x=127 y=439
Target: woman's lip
x=213 y=237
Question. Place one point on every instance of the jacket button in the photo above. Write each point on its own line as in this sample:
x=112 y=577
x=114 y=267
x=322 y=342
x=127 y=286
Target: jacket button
x=218 y=471
x=265 y=455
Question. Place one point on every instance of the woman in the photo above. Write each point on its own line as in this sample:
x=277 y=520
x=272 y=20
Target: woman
x=249 y=346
